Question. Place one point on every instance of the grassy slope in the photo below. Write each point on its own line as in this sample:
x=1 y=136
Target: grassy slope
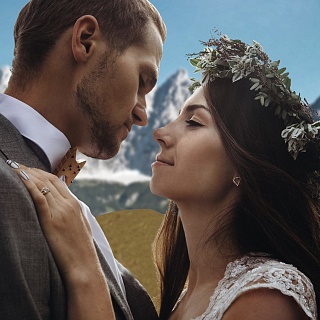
x=130 y=234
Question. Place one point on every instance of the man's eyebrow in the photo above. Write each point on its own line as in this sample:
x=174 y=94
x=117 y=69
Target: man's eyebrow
x=192 y=107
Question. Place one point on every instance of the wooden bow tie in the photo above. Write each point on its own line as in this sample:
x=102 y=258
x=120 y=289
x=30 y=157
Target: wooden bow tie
x=69 y=167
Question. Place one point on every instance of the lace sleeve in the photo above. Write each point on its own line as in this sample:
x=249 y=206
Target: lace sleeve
x=285 y=278
x=250 y=273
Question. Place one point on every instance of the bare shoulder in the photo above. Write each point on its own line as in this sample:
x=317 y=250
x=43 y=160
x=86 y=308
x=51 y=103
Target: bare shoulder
x=264 y=304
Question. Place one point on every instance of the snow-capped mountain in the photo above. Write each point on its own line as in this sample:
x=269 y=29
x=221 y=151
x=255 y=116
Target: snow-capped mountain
x=138 y=151
x=5 y=74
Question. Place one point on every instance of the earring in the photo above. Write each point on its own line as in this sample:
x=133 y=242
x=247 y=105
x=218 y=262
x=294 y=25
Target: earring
x=236 y=181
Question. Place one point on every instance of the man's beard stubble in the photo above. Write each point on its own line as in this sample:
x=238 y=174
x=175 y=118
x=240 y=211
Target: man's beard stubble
x=103 y=135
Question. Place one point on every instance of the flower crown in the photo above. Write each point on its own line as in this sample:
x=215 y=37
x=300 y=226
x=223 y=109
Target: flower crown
x=236 y=60
x=228 y=58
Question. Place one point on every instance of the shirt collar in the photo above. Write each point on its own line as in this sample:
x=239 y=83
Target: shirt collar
x=35 y=127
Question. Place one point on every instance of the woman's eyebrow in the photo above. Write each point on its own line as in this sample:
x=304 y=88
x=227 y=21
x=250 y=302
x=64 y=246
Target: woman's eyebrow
x=192 y=107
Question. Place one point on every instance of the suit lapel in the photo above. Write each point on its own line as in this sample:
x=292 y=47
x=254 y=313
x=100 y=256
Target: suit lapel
x=115 y=290
x=16 y=148
x=39 y=152
x=13 y=145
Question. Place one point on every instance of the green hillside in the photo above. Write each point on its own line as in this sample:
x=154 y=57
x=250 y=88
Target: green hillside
x=103 y=196
x=131 y=234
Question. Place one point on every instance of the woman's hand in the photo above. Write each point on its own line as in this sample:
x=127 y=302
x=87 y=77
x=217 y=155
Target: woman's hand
x=69 y=237
x=64 y=226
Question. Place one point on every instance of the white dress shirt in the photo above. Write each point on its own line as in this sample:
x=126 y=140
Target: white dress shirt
x=55 y=144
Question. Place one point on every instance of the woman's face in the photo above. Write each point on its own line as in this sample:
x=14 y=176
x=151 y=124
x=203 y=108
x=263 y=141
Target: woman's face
x=192 y=164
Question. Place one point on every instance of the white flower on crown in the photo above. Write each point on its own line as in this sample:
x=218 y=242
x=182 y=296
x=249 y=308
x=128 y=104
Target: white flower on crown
x=255 y=49
x=298 y=135
x=206 y=65
x=241 y=67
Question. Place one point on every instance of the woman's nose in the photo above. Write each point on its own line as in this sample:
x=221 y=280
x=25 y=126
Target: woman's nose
x=162 y=136
x=157 y=134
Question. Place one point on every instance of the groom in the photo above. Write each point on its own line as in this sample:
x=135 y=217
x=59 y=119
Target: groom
x=81 y=71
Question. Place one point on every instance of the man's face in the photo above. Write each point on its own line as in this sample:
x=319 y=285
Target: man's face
x=112 y=95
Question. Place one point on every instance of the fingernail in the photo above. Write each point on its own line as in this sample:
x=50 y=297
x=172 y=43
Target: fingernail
x=13 y=164
x=24 y=175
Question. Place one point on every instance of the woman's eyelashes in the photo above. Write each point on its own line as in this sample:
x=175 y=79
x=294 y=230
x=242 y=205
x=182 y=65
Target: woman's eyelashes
x=194 y=123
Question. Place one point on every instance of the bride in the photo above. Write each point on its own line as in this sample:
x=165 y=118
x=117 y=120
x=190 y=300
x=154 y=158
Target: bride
x=240 y=165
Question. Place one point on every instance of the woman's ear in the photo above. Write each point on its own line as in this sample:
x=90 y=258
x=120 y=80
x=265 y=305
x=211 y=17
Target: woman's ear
x=85 y=35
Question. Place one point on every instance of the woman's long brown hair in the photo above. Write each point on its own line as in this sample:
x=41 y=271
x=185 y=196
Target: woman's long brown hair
x=275 y=213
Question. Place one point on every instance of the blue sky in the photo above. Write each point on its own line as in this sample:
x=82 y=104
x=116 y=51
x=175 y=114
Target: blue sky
x=287 y=29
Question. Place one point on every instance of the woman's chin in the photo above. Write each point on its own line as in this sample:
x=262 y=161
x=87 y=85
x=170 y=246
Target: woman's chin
x=154 y=189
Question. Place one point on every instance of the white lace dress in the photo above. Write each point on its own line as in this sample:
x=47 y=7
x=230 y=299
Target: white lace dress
x=251 y=272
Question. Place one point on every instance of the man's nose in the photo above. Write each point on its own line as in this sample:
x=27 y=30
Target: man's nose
x=140 y=117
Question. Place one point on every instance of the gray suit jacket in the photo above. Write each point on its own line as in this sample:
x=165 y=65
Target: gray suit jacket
x=30 y=283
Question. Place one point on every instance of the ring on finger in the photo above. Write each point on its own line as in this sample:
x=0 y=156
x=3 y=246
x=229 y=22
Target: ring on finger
x=45 y=190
